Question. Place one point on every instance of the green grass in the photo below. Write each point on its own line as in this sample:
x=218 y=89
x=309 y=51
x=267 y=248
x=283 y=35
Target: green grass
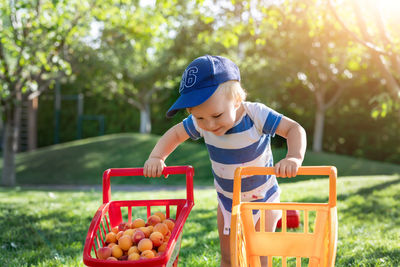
x=83 y=161
x=48 y=228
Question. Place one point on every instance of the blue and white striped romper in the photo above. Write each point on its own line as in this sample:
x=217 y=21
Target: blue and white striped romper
x=247 y=143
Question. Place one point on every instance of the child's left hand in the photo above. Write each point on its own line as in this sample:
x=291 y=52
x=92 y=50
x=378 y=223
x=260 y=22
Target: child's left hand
x=287 y=167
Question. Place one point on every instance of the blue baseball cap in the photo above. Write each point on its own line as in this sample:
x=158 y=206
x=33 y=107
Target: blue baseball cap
x=200 y=80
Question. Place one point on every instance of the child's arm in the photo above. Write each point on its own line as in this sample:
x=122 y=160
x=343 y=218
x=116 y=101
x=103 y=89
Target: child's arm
x=296 y=143
x=154 y=165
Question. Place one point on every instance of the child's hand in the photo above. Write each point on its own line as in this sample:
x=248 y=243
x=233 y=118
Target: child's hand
x=287 y=167
x=153 y=167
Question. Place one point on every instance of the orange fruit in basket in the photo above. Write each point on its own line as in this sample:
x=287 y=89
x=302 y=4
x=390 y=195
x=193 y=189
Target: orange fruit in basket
x=157 y=238
x=122 y=226
x=145 y=244
x=147 y=254
x=160 y=214
x=116 y=251
x=163 y=247
x=137 y=236
x=147 y=231
x=133 y=256
x=169 y=223
x=129 y=232
x=111 y=245
x=125 y=242
x=162 y=228
x=103 y=253
x=167 y=236
x=120 y=233
x=133 y=249
x=115 y=230
x=111 y=237
x=138 y=223
x=153 y=220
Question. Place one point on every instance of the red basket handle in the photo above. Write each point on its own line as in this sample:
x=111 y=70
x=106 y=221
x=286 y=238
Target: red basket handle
x=188 y=170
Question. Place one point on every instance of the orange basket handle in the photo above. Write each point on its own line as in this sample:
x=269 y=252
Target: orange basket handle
x=306 y=170
x=188 y=170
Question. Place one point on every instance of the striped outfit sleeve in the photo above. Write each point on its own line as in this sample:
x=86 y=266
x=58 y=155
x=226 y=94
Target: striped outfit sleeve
x=191 y=128
x=265 y=119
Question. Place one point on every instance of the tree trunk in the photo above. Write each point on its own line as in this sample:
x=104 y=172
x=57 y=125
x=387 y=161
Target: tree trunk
x=318 y=129
x=145 y=122
x=10 y=145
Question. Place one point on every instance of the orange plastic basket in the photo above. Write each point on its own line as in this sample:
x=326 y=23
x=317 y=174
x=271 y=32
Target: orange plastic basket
x=318 y=246
x=110 y=214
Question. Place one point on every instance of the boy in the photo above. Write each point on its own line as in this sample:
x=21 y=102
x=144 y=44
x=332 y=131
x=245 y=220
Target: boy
x=236 y=132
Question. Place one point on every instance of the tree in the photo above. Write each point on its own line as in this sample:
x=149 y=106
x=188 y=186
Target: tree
x=34 y=38
x=372 y=19
x=146 y=48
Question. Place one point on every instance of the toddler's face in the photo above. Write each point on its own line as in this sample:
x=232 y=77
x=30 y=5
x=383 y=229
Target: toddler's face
x=218 y=114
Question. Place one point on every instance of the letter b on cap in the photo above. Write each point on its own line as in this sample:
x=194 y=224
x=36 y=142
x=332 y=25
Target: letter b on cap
x=188 y=78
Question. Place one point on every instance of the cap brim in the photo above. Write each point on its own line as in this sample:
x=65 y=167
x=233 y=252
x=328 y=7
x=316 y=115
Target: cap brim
x=191 y=99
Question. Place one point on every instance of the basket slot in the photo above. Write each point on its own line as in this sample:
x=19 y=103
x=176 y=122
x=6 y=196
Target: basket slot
x=167 y=211
x=130 y=214
x=107 y=223
x=262 y=220
x=101 y=230
x=148 y=211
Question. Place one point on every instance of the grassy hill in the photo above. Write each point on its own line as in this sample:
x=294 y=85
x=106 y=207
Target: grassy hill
x=83 y=161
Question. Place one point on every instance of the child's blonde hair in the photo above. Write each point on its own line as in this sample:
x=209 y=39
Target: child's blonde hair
x=233 y=90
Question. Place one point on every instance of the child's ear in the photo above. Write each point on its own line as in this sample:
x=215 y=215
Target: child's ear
x=237 y=102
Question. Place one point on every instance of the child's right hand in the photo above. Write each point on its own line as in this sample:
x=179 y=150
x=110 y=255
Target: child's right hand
x=153 y=167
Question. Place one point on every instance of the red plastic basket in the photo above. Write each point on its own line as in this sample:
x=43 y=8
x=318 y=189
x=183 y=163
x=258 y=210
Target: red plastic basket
x=110 y=214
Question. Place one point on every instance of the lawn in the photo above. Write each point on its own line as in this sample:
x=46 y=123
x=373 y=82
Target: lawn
x=83 y=161
x=48 y=228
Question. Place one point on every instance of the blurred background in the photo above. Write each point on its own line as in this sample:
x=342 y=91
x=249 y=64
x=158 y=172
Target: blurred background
x=77 y=69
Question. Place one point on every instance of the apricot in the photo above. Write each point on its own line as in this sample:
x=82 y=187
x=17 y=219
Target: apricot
x=111 y=245
x=115 y=230
x=134 y=256
x=161 y=227
x=133 y=249
x=157 y=238
x=147 y=231
x=122 y=226
x=112 y=259
x=160 y=214
x=111 y=237
x=103 y=253
x=167 y=236
x=163 y=247
x=129 y=225
x=118 y=236
x=145 y=244
x=153 y=220
x=147 y=254
x=138 y=223
x=116 y=251
x=129 y=232
x=137 y=236
x=125 y=242
x=169 y=223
